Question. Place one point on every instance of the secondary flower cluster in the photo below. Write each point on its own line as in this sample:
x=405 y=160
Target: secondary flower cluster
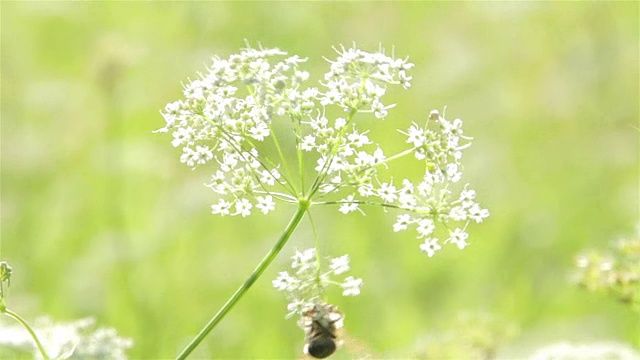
x=358 y=79
x=439 y=144
x=430 y=202
x=307 y=283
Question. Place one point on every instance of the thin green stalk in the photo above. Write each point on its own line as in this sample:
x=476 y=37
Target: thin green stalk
x=262 y=266
x=285 y=163
x=19 y=319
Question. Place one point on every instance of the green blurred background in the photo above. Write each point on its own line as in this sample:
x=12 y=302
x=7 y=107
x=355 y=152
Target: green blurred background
x=100 y=219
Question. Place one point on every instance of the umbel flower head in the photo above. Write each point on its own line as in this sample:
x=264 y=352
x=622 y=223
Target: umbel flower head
x=232 y=116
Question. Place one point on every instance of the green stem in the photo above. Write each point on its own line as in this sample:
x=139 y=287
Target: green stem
x=19 y=319
x=396 y=156
x=262 y=266
x=285 y=163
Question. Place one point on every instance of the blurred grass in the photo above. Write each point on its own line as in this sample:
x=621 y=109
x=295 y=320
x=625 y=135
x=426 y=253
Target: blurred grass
x=100 y=219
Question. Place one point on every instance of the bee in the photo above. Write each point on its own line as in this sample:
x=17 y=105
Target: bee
x=320 y=323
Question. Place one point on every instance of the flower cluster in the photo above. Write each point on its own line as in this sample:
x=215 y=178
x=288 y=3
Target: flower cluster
x=226 y=112
x=230 y=111
x=79 y=339
x=307 y=283
x=358 y=80
x=438 y=144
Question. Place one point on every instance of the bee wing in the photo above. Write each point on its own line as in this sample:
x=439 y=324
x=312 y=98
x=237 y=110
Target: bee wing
x=356 y=349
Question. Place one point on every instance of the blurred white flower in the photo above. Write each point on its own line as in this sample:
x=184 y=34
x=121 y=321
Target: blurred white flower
x=351 y=286
x=340 y=264
x=430 y=246
x=74 y=340
x=588 y=351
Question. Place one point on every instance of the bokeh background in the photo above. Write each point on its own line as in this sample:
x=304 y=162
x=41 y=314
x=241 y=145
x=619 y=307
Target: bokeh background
x=100 y=219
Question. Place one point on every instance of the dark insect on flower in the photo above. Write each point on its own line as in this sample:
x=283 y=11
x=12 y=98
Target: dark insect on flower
x=320 y=323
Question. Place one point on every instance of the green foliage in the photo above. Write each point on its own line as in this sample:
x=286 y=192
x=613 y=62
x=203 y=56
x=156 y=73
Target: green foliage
x=99 y=218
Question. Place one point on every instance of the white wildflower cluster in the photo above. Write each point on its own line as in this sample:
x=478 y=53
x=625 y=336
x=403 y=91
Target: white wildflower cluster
x=306 y=285
x=233 y=107
x=346 y=156
x=432 y=201
x=428 y=204
x=357 y=80
x=226 y=112
x=75 y=340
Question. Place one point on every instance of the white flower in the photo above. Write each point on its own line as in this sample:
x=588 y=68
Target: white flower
x=265 y=204
x=402 y=222
x=296 y=306
x=183 y=136
x=459 y=237
x=340 y=264
x=458 y=213
x=348 y=205
x=188 y=157
x=380 y=110
x=308 y=143
x=430 y=246
x=284 y=281
x=453 y=174
x=351 y=286
x=387 y=192
x=266 y=177
x=260 y=131
x=358 y=140
x=378 y=156
x=425 y=227
x=478 y=214
x=365 y=189
x=304 y=260
x=415 y=135
x=363 y=159
x=467 y=195
x=221 y=208
x=243 y=207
